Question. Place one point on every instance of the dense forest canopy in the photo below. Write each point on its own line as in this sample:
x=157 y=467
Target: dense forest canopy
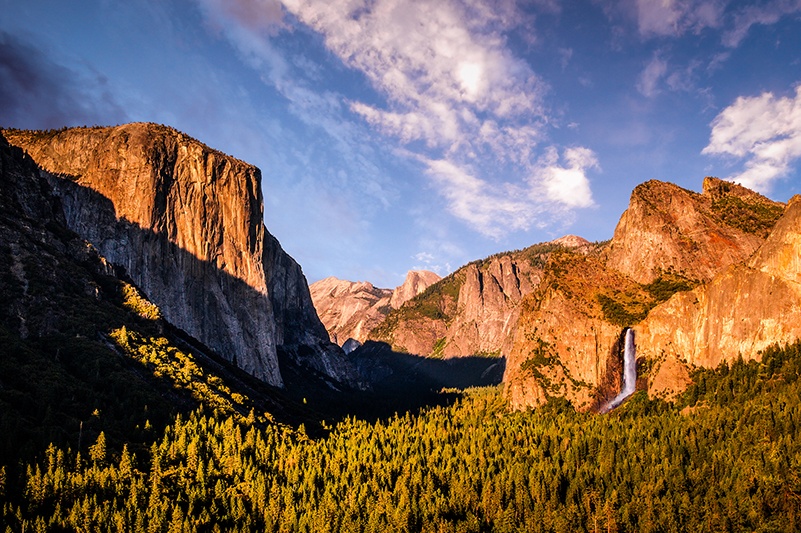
x=725 y=457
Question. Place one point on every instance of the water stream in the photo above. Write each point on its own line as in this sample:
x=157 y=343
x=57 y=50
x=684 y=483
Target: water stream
x=629 y=373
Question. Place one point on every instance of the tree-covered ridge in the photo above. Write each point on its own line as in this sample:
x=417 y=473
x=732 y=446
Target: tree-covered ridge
x=726 y=457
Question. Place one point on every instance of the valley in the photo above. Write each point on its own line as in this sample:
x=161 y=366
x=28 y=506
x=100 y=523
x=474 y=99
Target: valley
x=166 y=367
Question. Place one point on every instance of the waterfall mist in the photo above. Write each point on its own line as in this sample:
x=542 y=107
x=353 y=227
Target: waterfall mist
x=629 y=373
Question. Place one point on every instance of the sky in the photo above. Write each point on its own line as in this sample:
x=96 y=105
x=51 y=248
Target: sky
x=399 y=134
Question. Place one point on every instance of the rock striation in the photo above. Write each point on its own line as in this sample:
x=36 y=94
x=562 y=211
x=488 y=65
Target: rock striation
x=350 y=310
x=186 y=223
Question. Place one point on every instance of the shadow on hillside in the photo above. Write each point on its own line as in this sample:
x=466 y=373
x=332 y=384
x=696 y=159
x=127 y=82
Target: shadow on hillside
x=175 y=279
x=400 y=383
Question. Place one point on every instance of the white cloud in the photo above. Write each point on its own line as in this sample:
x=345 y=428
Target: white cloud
x=454 y=87
x=495 y=209
x=650 y=77
x=765 y=132
x=567 y=184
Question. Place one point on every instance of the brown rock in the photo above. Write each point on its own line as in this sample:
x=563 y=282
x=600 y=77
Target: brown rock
x=565 y=345
x=415 y=283
x=741 y=311
x=667 y=228
x=349 y=310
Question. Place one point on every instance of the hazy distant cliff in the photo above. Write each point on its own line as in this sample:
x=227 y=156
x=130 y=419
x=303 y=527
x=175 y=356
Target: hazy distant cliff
x=350 y=310
x=186 y=222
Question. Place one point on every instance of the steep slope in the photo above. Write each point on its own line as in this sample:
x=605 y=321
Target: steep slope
x=740 y=312
x=185 y=222
x=81 y=351
x=350 y=310
x=568 y=343
x=472 y=311
x=569 y=338
x=667 y=228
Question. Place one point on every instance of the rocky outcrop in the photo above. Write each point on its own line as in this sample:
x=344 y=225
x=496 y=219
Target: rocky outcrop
x=473 y=311
x=667 y=228
x=668 y=240
x=351 y=309
x=567 y=343
x=186 y=223
x=741 y=311
x=415 y=283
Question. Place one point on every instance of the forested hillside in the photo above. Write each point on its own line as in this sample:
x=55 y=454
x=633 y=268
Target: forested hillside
x=725 y=457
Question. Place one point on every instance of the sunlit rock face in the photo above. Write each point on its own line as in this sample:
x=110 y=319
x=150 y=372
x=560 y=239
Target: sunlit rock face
x=186 y=223
x=473 y=311
x=742 y=310
x=667 y=228
x=567 y=343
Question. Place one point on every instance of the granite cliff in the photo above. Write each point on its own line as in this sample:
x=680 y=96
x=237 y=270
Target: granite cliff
x=473 y=311
x=350 y=310
x=186 y=223
x=669 y=240
x=744 y=309
x=667 y=228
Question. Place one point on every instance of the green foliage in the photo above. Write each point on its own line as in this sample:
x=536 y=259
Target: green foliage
x=439 y=347
x=757 y=217
x=621 y=312
x=668 y=284
x=732 y=464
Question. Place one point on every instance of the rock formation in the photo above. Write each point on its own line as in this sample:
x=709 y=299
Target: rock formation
x=742 y=310
x=186 y=223
x=667 y=228
x=350 y=310
x=668 y=240
x=473 y=311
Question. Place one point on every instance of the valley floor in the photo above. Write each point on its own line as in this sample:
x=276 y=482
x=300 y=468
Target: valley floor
x=725 y=457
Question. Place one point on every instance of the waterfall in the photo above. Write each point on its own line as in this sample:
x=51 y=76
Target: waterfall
x=629 y=373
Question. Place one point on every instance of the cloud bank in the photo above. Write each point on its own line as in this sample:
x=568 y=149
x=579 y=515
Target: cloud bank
x=762 y=131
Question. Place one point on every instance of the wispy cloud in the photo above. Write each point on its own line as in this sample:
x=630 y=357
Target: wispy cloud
x=457 y=98
x=763 y=131
x=767 y=13
x=676 y=17
x=651 y=76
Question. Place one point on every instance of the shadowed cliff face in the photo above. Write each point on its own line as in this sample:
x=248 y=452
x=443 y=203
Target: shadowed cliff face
x=185 y=221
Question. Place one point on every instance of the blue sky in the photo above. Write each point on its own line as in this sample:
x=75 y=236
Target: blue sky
x=398 y=134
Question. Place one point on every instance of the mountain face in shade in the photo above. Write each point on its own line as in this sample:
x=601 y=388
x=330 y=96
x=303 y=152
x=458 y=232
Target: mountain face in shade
x=186 y=223
x=350 y=310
